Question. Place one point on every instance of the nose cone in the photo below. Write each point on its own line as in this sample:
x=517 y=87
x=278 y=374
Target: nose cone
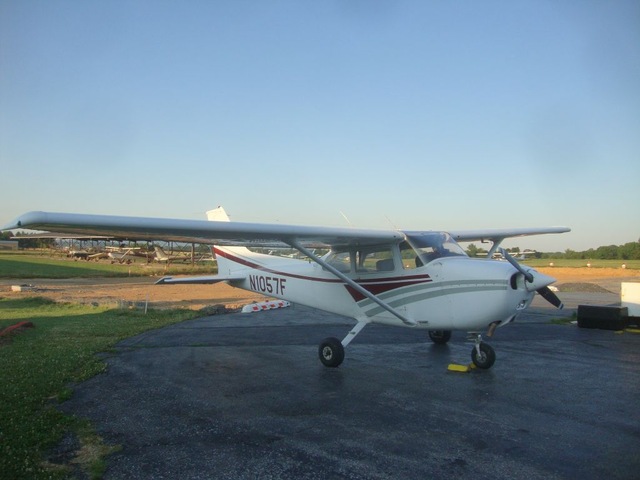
x=540 y=280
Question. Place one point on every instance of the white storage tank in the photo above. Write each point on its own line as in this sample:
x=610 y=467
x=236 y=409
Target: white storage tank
x=630 y=297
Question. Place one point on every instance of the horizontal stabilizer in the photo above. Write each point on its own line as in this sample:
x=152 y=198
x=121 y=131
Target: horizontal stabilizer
x=203 y=279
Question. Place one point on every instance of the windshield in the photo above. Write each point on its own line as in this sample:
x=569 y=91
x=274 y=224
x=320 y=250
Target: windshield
x=428 y=246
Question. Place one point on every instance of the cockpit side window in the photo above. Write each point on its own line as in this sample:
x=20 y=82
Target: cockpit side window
x=375 y=259
x=363 y=260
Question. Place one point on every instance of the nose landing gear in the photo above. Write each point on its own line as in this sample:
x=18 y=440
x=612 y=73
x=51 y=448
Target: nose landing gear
x=482 y=354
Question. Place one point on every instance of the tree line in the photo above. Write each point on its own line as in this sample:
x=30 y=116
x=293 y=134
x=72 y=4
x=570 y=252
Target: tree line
x=628 y=251
x=29 y=242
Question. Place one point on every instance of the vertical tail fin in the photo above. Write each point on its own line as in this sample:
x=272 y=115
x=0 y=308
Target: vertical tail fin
x=225 y=266
x=161 y=255
x=217 y=215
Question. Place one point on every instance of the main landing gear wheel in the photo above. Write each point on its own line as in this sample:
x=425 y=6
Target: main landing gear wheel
x=440 y=337
x=331 y=352
x=485 y=358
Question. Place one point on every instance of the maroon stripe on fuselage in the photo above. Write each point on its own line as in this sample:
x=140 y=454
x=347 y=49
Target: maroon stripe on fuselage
x=385 y=285
x=374 y=285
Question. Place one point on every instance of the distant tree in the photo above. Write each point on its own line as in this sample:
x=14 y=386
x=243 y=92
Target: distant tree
x=629 y=251
x=609 y=252
x=474 y=251
x=35 y=242
x=568 y=253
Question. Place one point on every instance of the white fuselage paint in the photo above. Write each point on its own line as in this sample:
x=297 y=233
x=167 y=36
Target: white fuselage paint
x=452 y=293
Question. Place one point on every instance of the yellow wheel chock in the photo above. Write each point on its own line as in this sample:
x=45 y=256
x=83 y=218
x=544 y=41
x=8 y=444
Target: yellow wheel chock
x=454 y=367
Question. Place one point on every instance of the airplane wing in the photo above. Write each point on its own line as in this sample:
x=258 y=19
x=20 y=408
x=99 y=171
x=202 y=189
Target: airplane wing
x=202 y=231
x=62 y=236
x=499 y=234
x=239 y=233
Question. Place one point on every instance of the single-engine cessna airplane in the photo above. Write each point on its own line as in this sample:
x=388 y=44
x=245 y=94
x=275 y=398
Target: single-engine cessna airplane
x=162 y=256
x=417 y=279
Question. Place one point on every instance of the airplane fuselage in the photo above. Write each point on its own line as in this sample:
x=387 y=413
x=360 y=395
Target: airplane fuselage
x=422 y=279
x=450 y=293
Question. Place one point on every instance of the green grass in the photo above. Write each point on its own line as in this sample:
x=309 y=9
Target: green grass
x=38 y=265
x=39 y=367
x=578 y=263
x=564 y=320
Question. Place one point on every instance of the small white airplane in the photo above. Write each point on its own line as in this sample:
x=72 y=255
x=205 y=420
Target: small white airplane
x=123 y=254
x=162 y=256
x=417 y=279
x=518 y=256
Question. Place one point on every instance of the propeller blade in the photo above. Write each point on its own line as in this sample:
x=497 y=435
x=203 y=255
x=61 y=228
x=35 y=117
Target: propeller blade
x=528 y=275
x=550 y=297
x=545 y=291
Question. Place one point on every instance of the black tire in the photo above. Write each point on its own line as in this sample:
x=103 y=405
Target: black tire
x=487 y=356
x=331 y=352
x=440 y=337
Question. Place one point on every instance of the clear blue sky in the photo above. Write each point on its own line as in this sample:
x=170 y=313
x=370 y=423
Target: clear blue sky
x=422 y=115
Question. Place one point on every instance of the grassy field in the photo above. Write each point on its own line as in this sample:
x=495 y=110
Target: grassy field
x=40 y=265
x=39 y=367
x=578 y=263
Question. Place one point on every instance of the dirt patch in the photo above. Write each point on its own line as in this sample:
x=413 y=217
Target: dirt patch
x=592 y=280
x=138 y=292
x=566 y=274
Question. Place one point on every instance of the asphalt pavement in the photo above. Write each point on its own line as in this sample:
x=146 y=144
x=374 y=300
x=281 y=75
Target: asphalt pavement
x=244 y=396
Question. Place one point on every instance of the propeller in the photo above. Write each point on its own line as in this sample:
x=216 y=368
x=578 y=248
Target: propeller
x=550 y=297
x=544 y=291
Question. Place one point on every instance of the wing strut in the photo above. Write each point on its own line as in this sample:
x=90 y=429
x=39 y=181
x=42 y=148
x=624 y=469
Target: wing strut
x=494 y=246
x=350 y=282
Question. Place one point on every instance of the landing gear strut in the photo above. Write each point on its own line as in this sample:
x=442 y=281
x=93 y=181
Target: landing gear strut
x=331 y=350
x=483 y=355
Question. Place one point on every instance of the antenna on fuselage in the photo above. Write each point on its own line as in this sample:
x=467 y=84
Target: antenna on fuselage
x=393 y=225
x=346 y=218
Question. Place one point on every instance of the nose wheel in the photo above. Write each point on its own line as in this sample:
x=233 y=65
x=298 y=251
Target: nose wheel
x=483 y=355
